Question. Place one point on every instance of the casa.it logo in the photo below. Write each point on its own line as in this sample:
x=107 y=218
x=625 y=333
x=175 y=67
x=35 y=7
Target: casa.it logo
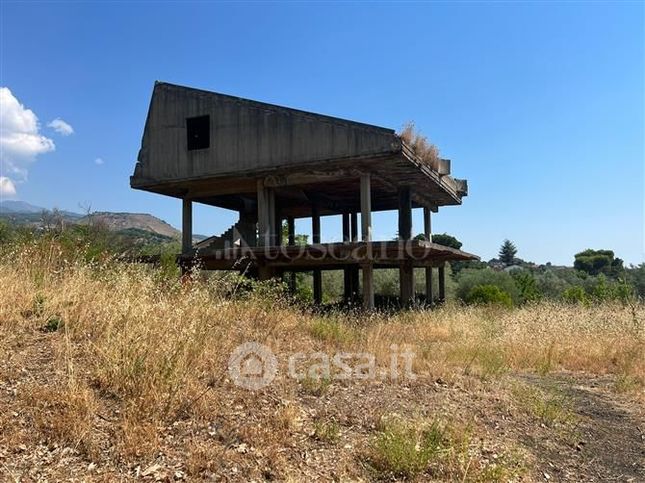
x=252 y=366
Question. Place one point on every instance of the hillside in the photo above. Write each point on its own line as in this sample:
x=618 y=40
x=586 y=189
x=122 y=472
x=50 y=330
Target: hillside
x=16 y=206
x=25 y=214
x=127 y=221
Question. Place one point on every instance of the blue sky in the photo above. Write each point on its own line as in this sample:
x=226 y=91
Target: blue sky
x=539 y=105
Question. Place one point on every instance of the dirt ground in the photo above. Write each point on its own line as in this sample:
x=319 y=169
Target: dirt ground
x=602 y=440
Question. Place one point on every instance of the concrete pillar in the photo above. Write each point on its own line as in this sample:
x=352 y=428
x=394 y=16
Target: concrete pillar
x=353 y=270
x=366 y=208
x=264 y=223
x=277 y=222
x=346 y=232
x=427 y=223
x=347 y=279
x=291 y=229
x=272 y=217
x=406 y=270
x=442 y=284
x=187 y=227
x=366 y=236
x=406 y=283
x=315 y=235
x=427 y=231
x=368 y=286
x=315 y=224
x=354 y=226
x=405 y=213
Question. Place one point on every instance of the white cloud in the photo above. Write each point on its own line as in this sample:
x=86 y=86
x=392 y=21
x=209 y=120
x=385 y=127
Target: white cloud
x=61 y=127
x=20 y=138
x=99 y=161
x=7 y=188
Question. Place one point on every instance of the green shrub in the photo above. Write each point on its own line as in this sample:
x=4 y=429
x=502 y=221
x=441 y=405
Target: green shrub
x=401 y=450
x=488 y=295
x=327 y=431
x=469 y=279
x=527 y=285
x=575 y=294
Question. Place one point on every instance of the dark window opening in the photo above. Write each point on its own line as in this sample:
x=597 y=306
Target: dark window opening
x=198 y=132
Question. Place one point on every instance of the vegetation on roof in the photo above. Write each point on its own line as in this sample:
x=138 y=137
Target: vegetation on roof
x=427 y=152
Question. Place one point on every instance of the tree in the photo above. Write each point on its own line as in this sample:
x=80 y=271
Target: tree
x=595 y=262
x=443 y=239
x=507 y=253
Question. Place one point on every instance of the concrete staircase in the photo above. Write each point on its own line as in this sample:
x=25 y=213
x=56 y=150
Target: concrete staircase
x=228 y=239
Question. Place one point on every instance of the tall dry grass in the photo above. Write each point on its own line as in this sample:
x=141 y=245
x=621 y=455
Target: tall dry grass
x=422 y=147
x=158 y=348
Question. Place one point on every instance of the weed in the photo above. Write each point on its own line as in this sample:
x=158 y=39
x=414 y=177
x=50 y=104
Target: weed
x=315 y=386
x=550 y=407
x=330 y=331
x=53 y=324
x=327 y=431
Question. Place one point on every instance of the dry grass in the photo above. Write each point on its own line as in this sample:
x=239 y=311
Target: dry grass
x=135 y=354
x=443 y=450
x=424 y=149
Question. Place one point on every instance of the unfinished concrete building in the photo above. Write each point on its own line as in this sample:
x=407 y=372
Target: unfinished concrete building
x=274 y=164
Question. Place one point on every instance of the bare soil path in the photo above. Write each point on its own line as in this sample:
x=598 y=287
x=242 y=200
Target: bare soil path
x=608 y=443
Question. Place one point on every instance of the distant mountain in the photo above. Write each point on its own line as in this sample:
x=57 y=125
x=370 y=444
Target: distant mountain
x=23 y=208
x=15 y=206
x=26 y=214
x=127 y=221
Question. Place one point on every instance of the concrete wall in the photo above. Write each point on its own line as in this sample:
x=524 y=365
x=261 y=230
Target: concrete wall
x=244 y=136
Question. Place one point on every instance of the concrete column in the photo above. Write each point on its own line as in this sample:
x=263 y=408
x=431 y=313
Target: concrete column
x=291 y=229
x=406 y=270
x=405 y=213
x=346 y=233
x=354 y=226
x=442 y=284
x=366 y=208
x=277 y=223
x=427 y=231
x=347 y=278
x=272 y=217
x=187 y=227
x=368 y=286
x=427 y=223
x=315 y=224
x=354 y=276
x=406 y=283
x=263 y=215
x=315 y=235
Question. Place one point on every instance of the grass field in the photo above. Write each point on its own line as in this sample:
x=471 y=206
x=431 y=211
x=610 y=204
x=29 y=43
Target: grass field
x=119 y=371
